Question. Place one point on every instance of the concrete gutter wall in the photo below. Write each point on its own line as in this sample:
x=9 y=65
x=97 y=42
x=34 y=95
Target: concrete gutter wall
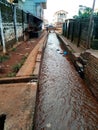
x=91 y=67
x=91 y=74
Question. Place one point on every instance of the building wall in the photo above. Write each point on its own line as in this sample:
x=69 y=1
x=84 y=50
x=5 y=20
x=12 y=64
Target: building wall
x=9 y=24
x=14 y=19
x=43 y=2
x=28 y=6
x=9 y=33
x=39 y=11
x=32 y=6
x=91 y=73
x=40 y=1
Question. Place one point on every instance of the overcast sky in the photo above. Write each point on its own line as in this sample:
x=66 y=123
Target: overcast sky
x=71 y=6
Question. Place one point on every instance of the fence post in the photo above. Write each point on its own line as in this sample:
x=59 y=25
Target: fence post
x=79 y=36
x=2 y=34
x=72 y=33
x=22 y=20
x=15 y=22
x=68 y=30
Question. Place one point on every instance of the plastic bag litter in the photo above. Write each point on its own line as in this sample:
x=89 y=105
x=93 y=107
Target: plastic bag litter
x=65 y=53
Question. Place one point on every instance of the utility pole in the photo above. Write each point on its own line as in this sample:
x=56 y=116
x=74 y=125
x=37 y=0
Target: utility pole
x=90 y=28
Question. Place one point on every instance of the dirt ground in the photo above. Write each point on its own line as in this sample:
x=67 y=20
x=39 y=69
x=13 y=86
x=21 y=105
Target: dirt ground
x=17 y=100
x=16 y=56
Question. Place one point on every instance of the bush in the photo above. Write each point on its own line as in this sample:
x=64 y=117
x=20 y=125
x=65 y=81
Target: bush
x=16 y=67
x=11 y=74
x=4 y=58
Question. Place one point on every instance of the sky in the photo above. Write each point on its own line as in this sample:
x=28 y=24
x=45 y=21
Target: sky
x=71 y=6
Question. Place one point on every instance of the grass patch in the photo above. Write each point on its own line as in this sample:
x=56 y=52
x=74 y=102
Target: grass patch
x=16 y=67
x=4 y=58
x=14 y=49
x=12 y=74
x=72 y=51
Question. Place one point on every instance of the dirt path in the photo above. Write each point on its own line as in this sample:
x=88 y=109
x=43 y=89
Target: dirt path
x=16 y=56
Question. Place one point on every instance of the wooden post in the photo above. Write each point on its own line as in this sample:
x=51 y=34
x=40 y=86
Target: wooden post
x=2 y=34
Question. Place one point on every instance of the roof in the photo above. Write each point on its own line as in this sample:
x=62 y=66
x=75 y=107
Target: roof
x=61 y=11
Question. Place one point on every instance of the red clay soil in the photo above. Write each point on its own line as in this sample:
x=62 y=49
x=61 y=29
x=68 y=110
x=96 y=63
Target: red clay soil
x=16 y=55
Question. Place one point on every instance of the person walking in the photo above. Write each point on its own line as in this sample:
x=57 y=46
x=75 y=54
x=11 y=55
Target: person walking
x=47 y=29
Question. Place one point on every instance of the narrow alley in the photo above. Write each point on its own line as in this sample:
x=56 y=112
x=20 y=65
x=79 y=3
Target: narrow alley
x=48 y=65
x=64 y=102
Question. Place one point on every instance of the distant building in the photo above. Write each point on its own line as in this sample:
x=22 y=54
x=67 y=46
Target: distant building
x=59 y=17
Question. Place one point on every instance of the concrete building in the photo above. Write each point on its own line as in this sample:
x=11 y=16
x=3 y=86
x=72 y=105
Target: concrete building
x=16 y=15
x=35 y=7
x=59 y=18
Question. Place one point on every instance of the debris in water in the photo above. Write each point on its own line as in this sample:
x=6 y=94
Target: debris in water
x=65 y=52
x=48 y=125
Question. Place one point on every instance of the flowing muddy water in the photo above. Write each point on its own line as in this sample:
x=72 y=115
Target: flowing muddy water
x=63 y=100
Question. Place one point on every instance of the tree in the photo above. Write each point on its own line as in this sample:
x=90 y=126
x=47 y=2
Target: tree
x=84 y=12
x=87 y=12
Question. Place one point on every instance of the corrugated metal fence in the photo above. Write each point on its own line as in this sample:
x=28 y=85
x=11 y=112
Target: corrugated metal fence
x=77 y=31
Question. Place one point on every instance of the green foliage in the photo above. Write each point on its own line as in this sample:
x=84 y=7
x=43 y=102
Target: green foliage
x=96 y=14
x=75 y=16
x=13 y=49
x=84 y=12
x=4 y=58
x=12 y=74
x=87 y=12
x=17 y=66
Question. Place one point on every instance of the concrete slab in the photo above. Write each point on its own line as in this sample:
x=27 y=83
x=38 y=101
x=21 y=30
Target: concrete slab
x=37 y=68
x=29 y=66
x=17 y=102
